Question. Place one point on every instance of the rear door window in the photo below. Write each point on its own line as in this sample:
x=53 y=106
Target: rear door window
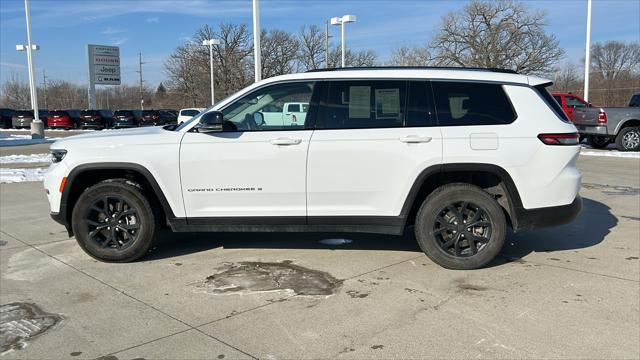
x=574 y=102
x=356 y=104
x=469 y=103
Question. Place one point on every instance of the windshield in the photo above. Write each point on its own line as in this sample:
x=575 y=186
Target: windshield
x=191 y=112
x=123 y=113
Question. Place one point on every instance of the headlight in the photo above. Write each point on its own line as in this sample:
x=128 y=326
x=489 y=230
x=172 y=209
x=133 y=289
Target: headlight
x=58 y=154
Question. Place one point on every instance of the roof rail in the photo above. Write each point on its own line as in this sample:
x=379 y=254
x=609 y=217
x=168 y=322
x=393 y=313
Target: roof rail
x=508 y=71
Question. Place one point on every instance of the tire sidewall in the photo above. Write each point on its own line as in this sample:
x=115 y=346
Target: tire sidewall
x=146 y=232
x=623 y=132
x=438 y=200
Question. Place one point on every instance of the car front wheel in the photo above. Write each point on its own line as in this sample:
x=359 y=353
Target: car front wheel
x=460 y=226
x=628 y=139
x=113 y=221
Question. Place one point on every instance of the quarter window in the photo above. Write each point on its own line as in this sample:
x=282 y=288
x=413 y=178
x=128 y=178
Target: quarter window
x=465 y=103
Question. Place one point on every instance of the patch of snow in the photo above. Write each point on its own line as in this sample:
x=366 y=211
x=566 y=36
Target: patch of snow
x=607 y=153
x=21 y=175
x=335 y=241
x=23 y=159
x=17 y=140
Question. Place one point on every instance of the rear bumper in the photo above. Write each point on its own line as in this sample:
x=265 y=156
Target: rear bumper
x=592 y=129
x=548 y=216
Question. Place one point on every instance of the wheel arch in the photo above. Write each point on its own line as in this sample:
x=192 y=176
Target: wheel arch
x=83 y=176
x=626 y=123
x=492 y=178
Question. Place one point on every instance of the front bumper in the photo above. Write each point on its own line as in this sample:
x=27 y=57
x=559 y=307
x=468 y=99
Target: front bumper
x=592 y=130
x=528 y=219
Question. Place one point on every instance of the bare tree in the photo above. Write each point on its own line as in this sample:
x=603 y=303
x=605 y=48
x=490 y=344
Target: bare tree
x=498 y=34
x=613 y=58
x=567 y=77
x=279 y=51
x=15 y=93
x=410 y=56
x=360 y=58
x=312 y=52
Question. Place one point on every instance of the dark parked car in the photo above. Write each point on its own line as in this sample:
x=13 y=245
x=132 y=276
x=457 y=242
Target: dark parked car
x=23 y=118
x=168 y=116
x=5 y=117
x=64 y=119
x=126 y=118
x=96 y=119
x=156 y=117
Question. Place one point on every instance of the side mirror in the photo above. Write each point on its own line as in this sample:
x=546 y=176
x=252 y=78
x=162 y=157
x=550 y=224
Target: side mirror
x=211 y=122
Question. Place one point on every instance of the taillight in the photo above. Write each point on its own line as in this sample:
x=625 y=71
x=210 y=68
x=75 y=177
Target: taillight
x=560 y=139
x=155 y=117
x=602 y=118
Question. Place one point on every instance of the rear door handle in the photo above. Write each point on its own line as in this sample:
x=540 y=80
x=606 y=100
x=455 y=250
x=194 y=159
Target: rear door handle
x=412 y=139
x=285 y=141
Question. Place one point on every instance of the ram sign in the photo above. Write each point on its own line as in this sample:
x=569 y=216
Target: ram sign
x=104 y=65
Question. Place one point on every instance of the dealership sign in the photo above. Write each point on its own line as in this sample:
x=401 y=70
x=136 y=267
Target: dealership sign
x=104 y=65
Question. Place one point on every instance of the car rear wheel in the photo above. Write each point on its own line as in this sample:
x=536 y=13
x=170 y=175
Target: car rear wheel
x=598 y=141
x=113 y=221
x=461 y=227
x=628 y=139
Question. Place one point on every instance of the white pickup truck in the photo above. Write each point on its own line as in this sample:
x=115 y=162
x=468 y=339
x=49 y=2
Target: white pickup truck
x=292 y=113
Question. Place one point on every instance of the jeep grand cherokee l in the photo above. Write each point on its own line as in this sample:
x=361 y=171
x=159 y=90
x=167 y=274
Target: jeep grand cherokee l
x=459 y=154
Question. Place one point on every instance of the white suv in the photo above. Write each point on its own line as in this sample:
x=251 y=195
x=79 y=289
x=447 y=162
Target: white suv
x=459 y=154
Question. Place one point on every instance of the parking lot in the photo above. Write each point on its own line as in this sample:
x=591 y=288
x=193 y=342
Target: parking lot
x=564 y=292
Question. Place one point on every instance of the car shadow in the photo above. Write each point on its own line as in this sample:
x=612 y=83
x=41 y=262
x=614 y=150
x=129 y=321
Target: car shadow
x=592 y=225
x=594 y=222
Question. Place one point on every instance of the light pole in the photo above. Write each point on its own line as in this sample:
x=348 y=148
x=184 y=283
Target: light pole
x=256 y=41
x=341 y=21
x=37 y=126
x=587 y=63
x=210 y=43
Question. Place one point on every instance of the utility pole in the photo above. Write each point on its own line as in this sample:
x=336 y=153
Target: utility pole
x=256 y=41
x=141 y=90
x=326 y=44
x=44 y=81
x=587 y=62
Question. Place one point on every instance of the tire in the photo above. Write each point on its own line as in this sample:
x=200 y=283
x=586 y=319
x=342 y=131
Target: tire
x=111 y=240
x=438 y=227
x=598 y=141
x=628 y=139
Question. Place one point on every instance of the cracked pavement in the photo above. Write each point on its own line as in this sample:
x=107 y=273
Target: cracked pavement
x=565 y=292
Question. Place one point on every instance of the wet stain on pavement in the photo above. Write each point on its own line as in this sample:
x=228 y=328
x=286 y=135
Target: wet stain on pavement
x=221 y=356
x=107 y=357
x=631 y=217
x=249 y=276
x=76 y=353
x=3 y=242
x=357 y=294
x=21 y=322
x=632 y=258
x=377 y=347
x=463 y=285
x=613 y=190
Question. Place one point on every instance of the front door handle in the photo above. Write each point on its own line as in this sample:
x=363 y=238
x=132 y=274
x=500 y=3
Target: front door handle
x=285 y=141
x=413 y=139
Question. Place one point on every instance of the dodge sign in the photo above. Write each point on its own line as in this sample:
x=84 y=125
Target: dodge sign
x=104 y=64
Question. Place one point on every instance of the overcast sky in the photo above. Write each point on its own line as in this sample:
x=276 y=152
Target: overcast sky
x=63 y=28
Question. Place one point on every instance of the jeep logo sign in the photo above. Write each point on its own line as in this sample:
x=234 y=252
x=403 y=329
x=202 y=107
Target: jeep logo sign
x=104 y=64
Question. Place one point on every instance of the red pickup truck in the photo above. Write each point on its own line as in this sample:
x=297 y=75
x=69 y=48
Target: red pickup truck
x=569 y=101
